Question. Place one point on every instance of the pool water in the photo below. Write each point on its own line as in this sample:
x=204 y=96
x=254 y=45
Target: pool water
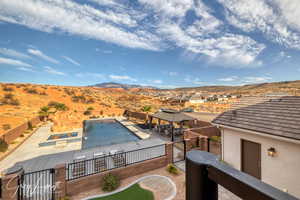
x=62 y=135
x=105 y=132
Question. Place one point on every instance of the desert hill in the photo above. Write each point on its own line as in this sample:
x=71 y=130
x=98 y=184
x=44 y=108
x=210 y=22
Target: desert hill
x=21 y=102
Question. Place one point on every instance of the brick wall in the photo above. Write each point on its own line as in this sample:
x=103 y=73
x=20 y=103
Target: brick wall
x=84 y=184
x=14 y=133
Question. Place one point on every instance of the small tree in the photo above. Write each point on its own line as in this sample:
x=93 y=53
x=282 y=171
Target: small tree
x=44 y=112
x=3 y=145
x=146 y=109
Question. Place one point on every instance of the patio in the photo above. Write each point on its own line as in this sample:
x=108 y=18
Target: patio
x=174 y=123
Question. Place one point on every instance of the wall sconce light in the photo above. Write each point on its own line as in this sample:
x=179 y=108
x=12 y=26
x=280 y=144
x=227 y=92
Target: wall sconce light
x=271 y=152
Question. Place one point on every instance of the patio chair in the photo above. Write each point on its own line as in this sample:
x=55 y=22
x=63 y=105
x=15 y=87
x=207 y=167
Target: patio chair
x=118 y=158
x=100 y=162
x=79 y=167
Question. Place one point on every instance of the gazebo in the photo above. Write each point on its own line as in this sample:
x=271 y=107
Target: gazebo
x=171 y=116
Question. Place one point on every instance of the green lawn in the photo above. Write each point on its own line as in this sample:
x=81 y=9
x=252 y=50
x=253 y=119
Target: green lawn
x=135 y=192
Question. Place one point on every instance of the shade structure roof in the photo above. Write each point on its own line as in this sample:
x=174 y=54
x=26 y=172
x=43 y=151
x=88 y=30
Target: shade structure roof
x=172 y=116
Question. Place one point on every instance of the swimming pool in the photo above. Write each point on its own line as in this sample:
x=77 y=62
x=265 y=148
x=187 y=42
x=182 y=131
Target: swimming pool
x=105 y=132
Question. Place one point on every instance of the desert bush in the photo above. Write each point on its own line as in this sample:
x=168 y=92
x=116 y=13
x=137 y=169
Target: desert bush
x=8 y=96
x=79 y=98
x=215 y=138
x=14 y=102
x=87 y=112
x=58 y=106
x=3 y=145
x=6 y=127
x=91 y=100
x=29 y=124
x=69 y=92
x=43 y=93
x=110 y=182
x=90 y=108
x=31 y=90
x=22 y=135
x=172 y=169
x=9 y=100
x=7 y=89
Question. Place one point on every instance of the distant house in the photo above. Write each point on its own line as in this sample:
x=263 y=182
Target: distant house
x=261 y=136
x=197 y=99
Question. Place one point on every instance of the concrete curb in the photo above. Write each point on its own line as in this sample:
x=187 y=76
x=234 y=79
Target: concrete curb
x=134 y=182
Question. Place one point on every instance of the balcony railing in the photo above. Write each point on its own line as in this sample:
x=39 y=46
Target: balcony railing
x=204 y=173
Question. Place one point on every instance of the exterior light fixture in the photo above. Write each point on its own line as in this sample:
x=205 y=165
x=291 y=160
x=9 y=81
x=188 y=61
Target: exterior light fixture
x=271 y=152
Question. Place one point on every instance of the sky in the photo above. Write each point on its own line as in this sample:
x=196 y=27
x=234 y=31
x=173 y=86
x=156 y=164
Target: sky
x=162 y=43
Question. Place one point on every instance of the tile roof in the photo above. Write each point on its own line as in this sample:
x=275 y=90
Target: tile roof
x=272 y=115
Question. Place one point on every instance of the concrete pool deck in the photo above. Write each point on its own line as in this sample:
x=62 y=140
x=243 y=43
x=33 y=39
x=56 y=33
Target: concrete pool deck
x=30 y=148
x=33 y=158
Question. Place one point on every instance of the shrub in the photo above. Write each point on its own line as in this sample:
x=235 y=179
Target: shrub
x=215 y=138
x=87 y=112
x=6 y=127
x=7 y=89
x=58 y=106
x=110 y=182
x=31 y=91
x=14 y=102
x=90 y=108
x=172 y=169
x=30 y=127
x=22 y=135
x=8 y=96
x=3 y=145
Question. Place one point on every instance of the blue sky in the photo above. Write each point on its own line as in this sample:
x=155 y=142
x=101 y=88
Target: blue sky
x=164 y=43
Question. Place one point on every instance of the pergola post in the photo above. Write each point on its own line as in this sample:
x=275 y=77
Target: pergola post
x=172 y=131
x=159 y=125
x=150 y=124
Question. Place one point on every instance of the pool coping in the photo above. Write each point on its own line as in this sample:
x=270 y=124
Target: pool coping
x=134 y=129
x=135 y=182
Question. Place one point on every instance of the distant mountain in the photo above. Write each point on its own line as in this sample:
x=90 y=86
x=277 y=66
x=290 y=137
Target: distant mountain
x=120 y=85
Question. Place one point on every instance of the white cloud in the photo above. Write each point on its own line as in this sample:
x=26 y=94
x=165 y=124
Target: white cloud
x=71 y=60
x=79 y=19
x=277 y=20
x=14 y=62
x=256 y=79
x=118 y=77
x=40 y=54
x=169 y=7
x=13 y=53
x=172 y=73
x=157 y=81
x=228 y=79
x=51 y=70
x=25 y=69
x=163 y=24
x=195 y=81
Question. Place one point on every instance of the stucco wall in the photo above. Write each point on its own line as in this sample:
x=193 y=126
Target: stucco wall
x=281 y=171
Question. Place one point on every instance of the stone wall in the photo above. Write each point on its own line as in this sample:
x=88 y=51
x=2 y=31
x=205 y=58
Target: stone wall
x=14 y=133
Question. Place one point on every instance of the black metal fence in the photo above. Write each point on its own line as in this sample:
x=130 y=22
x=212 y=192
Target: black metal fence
x=108 y=162
x=38 y=185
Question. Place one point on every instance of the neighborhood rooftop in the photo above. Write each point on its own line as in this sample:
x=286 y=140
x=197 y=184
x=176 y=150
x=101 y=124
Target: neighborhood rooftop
x=279 y=116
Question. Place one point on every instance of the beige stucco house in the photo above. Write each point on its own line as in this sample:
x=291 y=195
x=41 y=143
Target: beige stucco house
x=261 y=136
